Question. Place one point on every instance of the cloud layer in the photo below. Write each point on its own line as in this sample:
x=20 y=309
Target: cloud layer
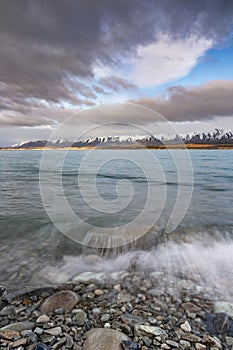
x=51 y=51
x=203 y=102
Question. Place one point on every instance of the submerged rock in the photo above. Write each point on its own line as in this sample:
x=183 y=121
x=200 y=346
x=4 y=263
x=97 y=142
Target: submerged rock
x=104 y=339
x=88 y=277
x=64 y=299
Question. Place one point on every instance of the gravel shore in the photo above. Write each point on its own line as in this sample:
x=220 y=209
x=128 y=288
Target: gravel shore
x=122 y=310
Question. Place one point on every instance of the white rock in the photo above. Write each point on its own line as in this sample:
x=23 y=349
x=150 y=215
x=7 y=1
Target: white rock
x=43 y=319
x=186 y=326
x=151 y=329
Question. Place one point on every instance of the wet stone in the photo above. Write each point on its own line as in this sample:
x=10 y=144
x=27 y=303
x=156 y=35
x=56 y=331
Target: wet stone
x=79 y=317
x=88 y=277
x=63 y=299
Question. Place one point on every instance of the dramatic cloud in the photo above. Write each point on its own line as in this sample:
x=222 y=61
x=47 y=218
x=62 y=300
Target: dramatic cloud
x=212 y=99
x=51 y=50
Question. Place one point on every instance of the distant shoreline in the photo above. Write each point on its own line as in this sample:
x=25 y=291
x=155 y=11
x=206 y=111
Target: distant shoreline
x=161 y=147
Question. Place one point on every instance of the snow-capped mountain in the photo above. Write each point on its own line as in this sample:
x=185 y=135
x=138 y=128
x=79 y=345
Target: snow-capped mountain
x=217 y=136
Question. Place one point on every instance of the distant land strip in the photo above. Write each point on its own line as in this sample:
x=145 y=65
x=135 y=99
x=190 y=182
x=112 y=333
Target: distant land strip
x=210 y=146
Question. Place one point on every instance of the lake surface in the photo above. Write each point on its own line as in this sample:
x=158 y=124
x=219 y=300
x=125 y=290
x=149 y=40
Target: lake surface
x=154 y=196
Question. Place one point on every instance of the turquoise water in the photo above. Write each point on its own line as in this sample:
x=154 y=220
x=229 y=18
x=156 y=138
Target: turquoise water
x=96 y=190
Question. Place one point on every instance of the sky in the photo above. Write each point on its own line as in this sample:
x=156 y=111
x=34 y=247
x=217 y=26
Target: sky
x=60 y=58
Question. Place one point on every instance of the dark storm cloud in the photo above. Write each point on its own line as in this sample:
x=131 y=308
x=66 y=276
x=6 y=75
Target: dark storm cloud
x=47 y=45
x=194 y=103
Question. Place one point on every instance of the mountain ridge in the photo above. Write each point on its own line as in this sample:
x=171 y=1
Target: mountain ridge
x=217 y=136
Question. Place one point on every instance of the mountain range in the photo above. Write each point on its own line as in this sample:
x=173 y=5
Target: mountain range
x=217 y=136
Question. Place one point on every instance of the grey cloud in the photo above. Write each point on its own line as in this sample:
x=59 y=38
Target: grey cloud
x=45 y=45
x=204 y=102
x=116 y=83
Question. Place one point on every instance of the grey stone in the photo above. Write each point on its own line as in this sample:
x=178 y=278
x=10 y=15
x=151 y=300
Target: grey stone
x=64 y=299
x=151 y=329
x=185 y=344
x=47 y=338
x=19 y=326
x=96 y=311
x=69 y=341
x=88 y=277
x=172 y=343
x=105 y=317
x=104 y=339
x=54 y=331
x=147 y=341
x=7 y=311
x=38 y=330
x=79 y=317
x=32 y=338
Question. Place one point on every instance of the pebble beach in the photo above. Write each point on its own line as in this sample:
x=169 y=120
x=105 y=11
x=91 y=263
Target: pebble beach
x=126 y=310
